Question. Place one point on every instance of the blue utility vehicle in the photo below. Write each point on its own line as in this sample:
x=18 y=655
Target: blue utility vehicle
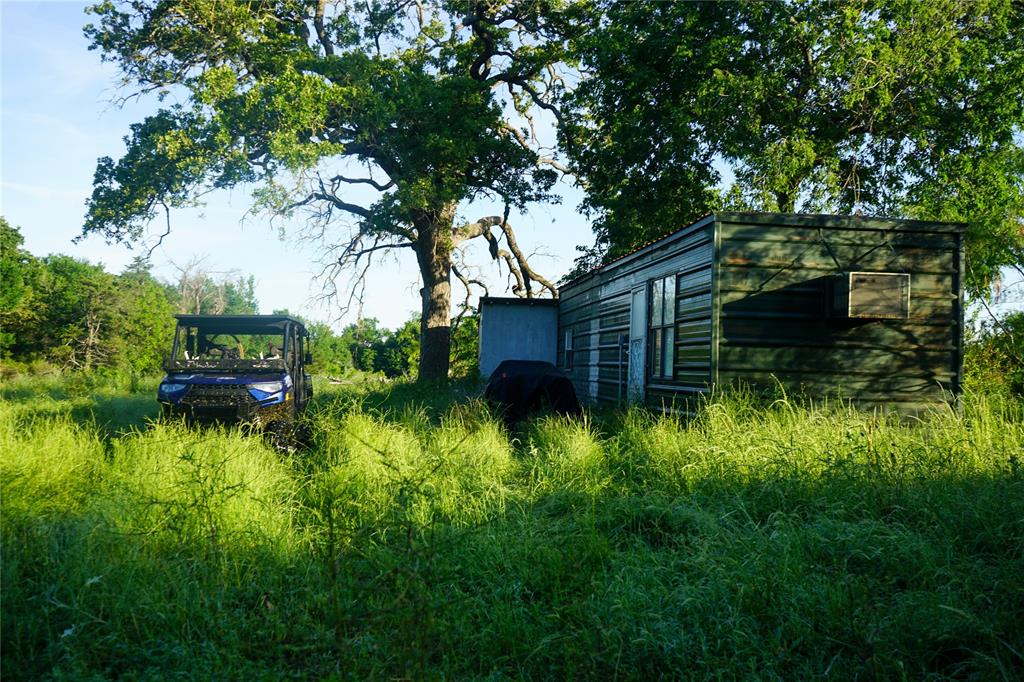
x=238 y=368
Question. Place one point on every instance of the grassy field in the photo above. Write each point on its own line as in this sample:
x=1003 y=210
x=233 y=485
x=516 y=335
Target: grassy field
x=417 y=538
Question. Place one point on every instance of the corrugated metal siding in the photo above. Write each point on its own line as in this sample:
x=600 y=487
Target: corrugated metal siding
x=595 y=310
x=774 y=278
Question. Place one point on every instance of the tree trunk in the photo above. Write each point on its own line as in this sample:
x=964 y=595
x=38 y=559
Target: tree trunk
x=786 y=201
x=434 y=255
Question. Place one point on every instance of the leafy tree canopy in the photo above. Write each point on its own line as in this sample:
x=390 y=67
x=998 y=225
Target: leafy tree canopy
x=74 y=314
x=319 y=103
x=18 y=271
x=899 y=108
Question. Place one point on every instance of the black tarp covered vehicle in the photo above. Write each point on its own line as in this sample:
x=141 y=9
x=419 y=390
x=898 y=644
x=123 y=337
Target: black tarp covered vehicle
x=521 y=387
x=238 y=368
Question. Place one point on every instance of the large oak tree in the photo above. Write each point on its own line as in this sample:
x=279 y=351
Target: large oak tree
x=901 y=108
x=428 y=105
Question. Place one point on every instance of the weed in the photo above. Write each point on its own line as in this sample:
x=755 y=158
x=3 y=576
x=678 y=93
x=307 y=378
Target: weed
x=417 y=538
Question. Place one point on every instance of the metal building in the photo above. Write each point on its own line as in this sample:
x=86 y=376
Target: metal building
x=516 y=329
x=866 y=309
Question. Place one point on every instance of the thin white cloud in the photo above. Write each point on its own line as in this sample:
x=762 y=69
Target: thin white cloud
x=42 y=191
x=56 y=128
x=62 y=56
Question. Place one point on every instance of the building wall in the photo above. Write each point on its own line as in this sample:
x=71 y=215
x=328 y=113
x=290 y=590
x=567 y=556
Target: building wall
x=516 y=329
x=773 y=278
x=595 y=311
x=752 y=307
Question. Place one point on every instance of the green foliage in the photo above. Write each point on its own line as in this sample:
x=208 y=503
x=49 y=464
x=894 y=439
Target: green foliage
x=398 y=351
x=418 y=539
x=903 y=109
x=994 y=356
x=331 y=353
x=18 y=272
x=141 y=336
x=466 y=346
x=365 y=340
x=167 y=155
x=366 y=347
x=76 y=315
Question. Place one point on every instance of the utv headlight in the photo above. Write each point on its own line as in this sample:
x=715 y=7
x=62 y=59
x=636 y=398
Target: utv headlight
x=262 y=390
x=167 y=388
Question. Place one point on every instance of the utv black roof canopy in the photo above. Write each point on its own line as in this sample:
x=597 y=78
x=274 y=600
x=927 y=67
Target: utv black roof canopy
x=241 y=324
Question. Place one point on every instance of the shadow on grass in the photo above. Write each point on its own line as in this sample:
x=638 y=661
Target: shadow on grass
x=593 y=556
x=117 y=414
x=113 y=415
x=389 y=400
x=643 y=586
x=21 y=392
x=620 y=569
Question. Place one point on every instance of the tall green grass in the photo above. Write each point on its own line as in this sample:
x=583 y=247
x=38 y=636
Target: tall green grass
x=417 y=537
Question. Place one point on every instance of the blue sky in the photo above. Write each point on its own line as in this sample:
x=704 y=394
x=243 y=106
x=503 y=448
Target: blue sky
x=56 y=119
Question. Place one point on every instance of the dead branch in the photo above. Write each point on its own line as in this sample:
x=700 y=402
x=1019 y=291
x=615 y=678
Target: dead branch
x=368 y=181
x=518 y=136
x=466 y=282
x=517 y=262
x=528 y=273
x=499 y=254
x=331 y=198
x=535 y=96
x=167 y=231
x=476 y=229
x=342 y=205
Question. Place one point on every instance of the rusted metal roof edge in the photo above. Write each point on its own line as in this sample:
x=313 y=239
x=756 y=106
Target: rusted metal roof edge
x=651 y=244
x=784 y=219
x=516 y=300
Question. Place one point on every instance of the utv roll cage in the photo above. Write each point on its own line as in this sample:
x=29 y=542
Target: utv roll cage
x=188 y=353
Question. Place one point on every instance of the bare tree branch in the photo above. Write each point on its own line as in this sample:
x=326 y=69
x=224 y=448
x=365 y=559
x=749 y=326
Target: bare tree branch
x=500 y=254
x=476 y=229
x=357 y=254
x=518 y=136
x=367 y=181
x=466 y=283
x=338 y=203
x=528 y=273
x=517 y=262
x=334 y=200
x=535 y=96
x=167 y=231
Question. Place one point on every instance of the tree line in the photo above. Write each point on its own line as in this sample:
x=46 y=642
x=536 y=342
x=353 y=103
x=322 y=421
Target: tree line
x=376 y=125
x=366 y=346
x=59 y=312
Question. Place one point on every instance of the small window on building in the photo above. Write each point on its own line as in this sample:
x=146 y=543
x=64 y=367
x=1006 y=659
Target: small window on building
x=568 y=348
x=663 y=327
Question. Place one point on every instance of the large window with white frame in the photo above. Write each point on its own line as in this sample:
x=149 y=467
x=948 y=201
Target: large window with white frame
x=662 y=328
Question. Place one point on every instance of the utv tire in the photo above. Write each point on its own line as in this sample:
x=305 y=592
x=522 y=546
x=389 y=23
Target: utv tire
x=281 y=435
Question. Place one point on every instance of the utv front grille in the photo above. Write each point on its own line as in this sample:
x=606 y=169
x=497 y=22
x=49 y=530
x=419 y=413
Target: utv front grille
x=212 y=402
x=213 y=395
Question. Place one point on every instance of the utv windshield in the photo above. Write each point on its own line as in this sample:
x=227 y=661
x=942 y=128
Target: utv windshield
x=236 y=342
x=196 y=343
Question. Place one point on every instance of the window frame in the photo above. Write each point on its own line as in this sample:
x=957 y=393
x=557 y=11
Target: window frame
x=661 y=327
